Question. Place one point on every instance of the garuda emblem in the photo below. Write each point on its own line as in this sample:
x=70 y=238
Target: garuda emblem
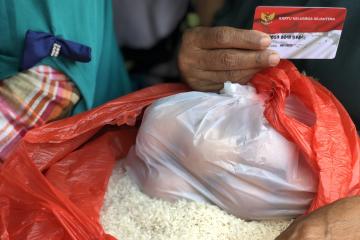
x=266 y=18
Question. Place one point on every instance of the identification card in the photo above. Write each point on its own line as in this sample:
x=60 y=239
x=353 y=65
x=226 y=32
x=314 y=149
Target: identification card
x=301 y=32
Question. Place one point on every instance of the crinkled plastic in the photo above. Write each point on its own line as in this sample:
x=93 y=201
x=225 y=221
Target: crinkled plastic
x=52 y=186
x=217 y=148
x=331 y=144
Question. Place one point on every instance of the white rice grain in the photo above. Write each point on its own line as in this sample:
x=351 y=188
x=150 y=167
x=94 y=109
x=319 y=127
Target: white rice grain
x=130 y=215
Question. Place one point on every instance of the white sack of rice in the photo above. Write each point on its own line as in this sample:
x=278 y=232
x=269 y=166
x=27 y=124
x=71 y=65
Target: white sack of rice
x=220 y=148
x=128 y=214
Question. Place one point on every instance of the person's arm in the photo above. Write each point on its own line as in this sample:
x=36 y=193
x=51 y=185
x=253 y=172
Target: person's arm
x=209 y=56
x=339 y=220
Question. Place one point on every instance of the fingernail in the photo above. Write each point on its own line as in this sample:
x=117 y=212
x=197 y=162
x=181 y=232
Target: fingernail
x=274 y=59
x=265 y=42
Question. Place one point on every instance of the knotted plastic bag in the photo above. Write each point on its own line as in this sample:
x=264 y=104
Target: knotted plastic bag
x=220 y=148
x=331 y=144
x=53 y=185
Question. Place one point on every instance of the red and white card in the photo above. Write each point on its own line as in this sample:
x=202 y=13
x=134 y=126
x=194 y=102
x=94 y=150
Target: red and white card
x=302 y=32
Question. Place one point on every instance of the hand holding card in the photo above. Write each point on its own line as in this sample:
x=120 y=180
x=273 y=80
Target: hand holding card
x=302 y=32
x=208 y=57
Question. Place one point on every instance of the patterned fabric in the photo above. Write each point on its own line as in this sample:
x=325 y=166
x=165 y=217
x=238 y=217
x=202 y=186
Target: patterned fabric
x=30 y=99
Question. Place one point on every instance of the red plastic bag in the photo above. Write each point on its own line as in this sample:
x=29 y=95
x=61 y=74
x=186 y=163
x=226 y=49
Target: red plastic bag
x=53 y=185
x=331 y=144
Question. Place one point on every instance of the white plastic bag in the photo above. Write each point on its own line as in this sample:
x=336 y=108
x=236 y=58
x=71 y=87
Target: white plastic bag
x=219 y=148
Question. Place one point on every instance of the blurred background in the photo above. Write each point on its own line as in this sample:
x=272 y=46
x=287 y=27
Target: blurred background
x=149 y=34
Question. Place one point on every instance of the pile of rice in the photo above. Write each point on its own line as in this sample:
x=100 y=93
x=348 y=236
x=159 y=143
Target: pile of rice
x=128 y=214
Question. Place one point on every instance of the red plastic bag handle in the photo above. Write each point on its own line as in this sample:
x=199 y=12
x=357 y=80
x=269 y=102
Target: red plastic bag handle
x=331 y=144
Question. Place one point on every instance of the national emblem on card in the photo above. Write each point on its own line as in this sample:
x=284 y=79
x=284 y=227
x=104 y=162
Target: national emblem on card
x=266 y=18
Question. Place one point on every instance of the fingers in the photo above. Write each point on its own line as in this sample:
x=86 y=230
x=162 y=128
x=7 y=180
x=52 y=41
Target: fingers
x=234 y=76
x=210 y=56
x=302 y=229
x=214 y=80
x=227 y=37
x=288 y=234
x=204 y=85
x=230 y=59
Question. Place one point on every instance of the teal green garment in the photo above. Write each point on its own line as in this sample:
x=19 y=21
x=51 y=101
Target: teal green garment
x=340 y=75
x=88 y=22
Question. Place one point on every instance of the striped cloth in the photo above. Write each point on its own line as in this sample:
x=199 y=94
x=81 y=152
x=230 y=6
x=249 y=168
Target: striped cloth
x=31 y=99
